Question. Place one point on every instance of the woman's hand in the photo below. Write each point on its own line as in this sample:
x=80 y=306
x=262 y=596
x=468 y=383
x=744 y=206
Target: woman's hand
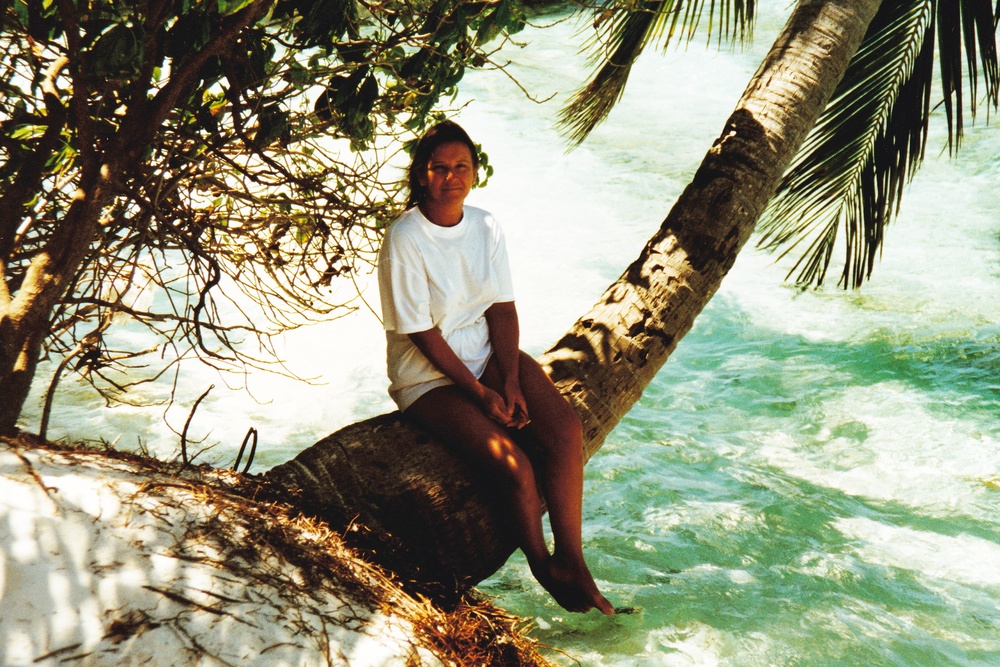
x=493 y=405
x=501 y=318
x=517 y=407
x=511 y=412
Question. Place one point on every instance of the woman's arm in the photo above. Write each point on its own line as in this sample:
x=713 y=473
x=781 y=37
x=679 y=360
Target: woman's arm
x=504 y=335
x=433 y=346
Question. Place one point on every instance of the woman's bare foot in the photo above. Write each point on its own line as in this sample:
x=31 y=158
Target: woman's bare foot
x=572 y=586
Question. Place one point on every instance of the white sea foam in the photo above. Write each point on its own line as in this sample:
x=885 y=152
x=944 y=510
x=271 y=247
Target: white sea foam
x=896 y=449
x=961 y=558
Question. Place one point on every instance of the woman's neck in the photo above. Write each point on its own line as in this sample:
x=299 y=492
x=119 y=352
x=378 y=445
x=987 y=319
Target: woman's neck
x=442 y=215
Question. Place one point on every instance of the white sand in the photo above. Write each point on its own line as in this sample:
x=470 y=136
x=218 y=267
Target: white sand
x=111 y=564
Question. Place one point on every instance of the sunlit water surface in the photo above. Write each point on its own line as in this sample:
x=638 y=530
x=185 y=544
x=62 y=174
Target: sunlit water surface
x=812 y=479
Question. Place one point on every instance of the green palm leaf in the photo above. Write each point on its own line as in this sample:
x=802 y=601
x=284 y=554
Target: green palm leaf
x=848 y=177
x=623 y=30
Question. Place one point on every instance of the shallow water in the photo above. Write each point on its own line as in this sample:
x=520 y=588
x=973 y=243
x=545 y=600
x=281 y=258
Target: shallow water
x=812 y=479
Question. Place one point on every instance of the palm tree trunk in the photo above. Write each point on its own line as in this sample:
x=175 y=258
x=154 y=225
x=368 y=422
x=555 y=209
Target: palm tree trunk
x=389 y=477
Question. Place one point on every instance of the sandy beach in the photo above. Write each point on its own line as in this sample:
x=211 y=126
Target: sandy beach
x=118 y=561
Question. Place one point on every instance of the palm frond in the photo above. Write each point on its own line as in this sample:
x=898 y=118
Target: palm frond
x=970 y=24
x=850 y=172
x=622 y=30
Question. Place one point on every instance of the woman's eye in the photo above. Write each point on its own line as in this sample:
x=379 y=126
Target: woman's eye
x=442 y=170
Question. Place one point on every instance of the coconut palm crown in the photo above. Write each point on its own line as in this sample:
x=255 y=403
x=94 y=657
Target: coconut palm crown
x=846 y=182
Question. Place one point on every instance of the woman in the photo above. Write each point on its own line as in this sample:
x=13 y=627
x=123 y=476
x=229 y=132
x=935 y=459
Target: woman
x=455 y=367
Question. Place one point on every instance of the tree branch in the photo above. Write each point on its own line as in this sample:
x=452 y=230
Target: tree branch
x=78 y=100
x=29 y=177
x=141 y=124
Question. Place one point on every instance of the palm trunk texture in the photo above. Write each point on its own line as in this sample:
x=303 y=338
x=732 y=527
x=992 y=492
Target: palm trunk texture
x=388 y=477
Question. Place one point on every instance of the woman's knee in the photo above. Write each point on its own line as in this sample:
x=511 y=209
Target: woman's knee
x=570 y=427
x=560 y=444
x=509 y=461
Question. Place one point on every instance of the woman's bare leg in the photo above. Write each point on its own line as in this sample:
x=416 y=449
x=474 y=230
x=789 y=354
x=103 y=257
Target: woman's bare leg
x=557 y=428
x=457 y=420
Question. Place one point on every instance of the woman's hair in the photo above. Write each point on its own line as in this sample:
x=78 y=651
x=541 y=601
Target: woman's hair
x=445 y=132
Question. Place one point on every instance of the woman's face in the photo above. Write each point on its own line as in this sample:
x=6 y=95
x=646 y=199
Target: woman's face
x=450 y=174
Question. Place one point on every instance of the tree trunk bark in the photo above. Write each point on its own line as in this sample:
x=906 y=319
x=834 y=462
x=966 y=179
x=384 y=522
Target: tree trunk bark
x=16 y=384
x=24 y=319
x=391 y=478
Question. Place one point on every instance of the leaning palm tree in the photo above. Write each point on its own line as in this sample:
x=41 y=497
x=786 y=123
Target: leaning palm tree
x=388 y=477
x=846 y=181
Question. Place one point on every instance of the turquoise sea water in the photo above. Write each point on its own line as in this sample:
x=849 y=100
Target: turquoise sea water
x=812 y=479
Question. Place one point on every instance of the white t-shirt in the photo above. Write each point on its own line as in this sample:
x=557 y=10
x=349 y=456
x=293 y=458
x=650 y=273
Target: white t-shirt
x=445 y=277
